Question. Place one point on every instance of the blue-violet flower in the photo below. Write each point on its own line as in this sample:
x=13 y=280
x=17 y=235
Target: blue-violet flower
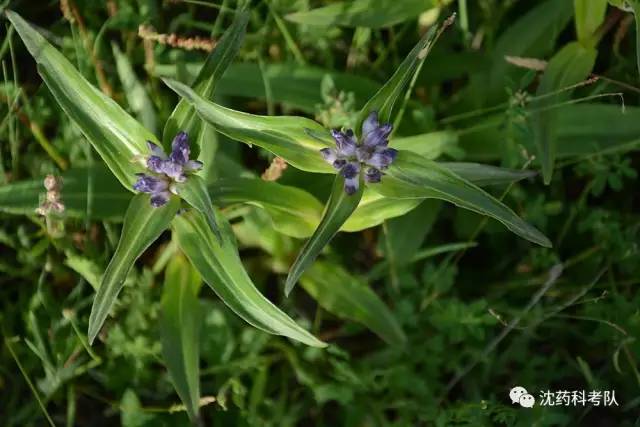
x=166 y=170
x=371 y=155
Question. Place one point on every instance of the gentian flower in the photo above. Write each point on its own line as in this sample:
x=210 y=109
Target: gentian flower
x=166 y=170
x=371 y=155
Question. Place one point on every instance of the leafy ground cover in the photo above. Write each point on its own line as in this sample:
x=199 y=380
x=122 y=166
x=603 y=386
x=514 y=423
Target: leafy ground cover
x=477 y=231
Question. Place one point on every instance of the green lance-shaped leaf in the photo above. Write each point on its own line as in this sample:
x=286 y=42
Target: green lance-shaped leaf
x=221 y=268
x=481 y=175
x=293 y=85
x=346 y=296
x=184 y=116
x=115 y=135
x=194 y=191
x=531 y=34
x=294 y=212
x=367 y=13
x=374 y=209
x=296 y=139
x=589 y=16
x=180 y=324
x=384 y=100
x=411 y=176
x=571 y=65
x=143 y=224
x=135 y=92
x=339 y=208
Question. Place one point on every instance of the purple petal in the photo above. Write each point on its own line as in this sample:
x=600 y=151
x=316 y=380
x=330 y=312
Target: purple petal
x=329 y=155
x=193 y=165
x=155 y=150
x=373 y=176
x=155 y=164
x=378 y=136
x=180 y=148
x=370 y=123
x=173 y=170
x=350 y=170
x=345 y=142
x=149 y=184
x=351 y=185
x=383 y=158
x=160 y=199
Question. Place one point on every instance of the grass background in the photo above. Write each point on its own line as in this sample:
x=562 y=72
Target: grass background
x=478 y=320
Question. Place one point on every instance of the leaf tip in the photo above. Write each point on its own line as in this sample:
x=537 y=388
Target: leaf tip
x=289 y=284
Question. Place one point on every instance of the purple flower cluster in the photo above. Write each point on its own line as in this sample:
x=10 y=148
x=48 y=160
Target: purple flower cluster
x=372 y=154
x=165 y=170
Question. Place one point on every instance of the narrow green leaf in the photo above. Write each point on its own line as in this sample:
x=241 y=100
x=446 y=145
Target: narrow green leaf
x=380 y=269
x=589 y=15
x=296 y=139
x=184 y=116
x=411 y=176
x=85 y=267
x=430 y=145
x=346 y=296
x=384 y=100
x=481 y=175
x=194 y=191
x=143 y=224
x=135 y=92
x=571 y=65
x=339 y=208
x=180 y=324
x=580 y=133
x=293 y=85
x=109 y=200
x=221 y=268
x=635 y=6
x=367 y=13
x=115 y=135
x=374 y=209
x=533 y=34
x=404 y=236
x=294 y=212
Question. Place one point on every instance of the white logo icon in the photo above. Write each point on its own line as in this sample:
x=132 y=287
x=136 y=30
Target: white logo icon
x=521 y=396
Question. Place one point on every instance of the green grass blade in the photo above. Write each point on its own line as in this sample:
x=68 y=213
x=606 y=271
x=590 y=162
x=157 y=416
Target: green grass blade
x=339 y=208
x=184 y=116
x=143 y=224
x=135 y=92
x=366 y=13
x=115 y=135
x=292 y=85
x=221 y=268
x=296 y=139
x=180 y=324
x=571 y=65
x=346 y=296
x=589 y=16
x=413 y=177
x=635 y=5
x=384 y=100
